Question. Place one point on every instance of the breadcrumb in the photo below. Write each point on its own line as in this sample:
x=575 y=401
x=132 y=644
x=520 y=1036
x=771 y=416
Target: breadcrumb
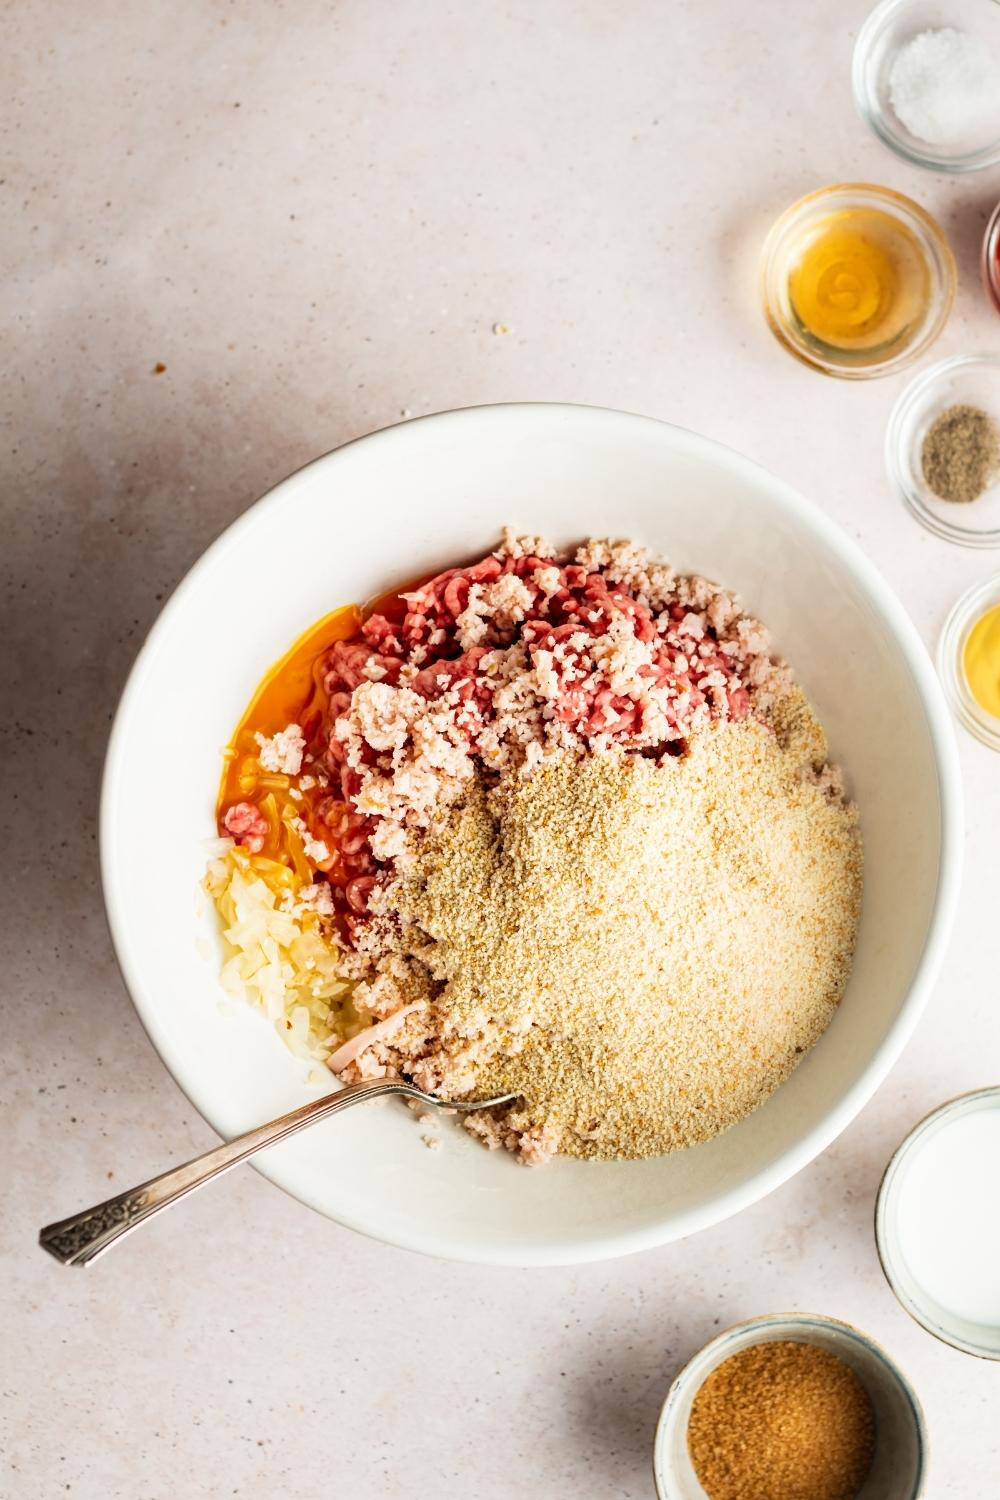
x=641 y=952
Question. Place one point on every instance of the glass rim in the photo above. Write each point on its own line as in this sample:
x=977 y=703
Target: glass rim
x=933 y=242
x=922 y=1315
x=895 y=450
x=967 y=610
x=991 y=258
x=876 y=119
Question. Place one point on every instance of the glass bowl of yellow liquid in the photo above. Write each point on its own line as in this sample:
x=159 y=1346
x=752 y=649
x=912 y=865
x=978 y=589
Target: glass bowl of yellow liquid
x=856 y=280
x=968 y=660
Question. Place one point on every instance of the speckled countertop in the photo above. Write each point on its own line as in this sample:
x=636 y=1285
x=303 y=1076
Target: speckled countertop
x=309 y=219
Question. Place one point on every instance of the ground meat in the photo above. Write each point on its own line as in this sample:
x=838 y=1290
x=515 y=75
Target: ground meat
x=247 y=825
x=522 y=655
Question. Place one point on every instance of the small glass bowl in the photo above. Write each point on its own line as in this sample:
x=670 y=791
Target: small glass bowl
x=889 y=26
x=898 y=1471
x=980 y=1339
x=783 y=246
x=951 y=664
x=991 y=259
x=964 y=380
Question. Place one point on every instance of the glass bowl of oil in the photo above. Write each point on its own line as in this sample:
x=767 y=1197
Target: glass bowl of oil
x=856 y=280
x=968 y=661
x=965 y=381
x=888 y=31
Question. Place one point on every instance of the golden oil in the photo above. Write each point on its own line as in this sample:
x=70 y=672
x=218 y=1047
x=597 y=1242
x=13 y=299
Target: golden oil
x=858 y=280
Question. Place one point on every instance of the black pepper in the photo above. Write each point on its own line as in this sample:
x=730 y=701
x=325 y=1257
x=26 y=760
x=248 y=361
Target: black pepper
x=961 y=453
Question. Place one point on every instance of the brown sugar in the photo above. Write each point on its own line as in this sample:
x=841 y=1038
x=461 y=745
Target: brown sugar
x=782 y=1421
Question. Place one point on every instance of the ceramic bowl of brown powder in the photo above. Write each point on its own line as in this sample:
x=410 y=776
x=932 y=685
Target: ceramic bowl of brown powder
x=795 y=1405
x=432 y=495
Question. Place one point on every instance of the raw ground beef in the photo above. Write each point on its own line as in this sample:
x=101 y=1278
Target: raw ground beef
x=523 y=654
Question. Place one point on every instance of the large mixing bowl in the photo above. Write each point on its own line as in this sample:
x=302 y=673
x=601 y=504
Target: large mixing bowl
x=419 y=497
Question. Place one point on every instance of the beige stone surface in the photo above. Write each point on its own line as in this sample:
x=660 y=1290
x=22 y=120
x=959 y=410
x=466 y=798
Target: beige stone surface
x=316 y=218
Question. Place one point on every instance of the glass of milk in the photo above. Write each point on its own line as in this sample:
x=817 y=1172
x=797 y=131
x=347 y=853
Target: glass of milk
x=937 y=1223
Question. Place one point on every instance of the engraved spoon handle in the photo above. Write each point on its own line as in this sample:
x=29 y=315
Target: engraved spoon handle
x=83 y=1237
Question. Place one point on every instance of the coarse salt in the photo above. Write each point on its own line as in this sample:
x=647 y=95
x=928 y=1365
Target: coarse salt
x=944 y=87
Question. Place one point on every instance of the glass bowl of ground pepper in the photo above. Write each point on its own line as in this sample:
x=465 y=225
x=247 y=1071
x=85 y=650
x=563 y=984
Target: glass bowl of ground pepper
x=856 y=280
x=942 y=449
x=797 y=1405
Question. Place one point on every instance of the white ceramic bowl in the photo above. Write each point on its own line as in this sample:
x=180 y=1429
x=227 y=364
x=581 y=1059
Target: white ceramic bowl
x=899 y=1468
x=417 y=497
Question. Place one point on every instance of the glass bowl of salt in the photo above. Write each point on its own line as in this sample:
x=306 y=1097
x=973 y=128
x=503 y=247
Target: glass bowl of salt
x=926 y=76
x=937 y=1223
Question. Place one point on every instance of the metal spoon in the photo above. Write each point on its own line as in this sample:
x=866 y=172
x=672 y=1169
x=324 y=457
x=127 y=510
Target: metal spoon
x=83 y=1237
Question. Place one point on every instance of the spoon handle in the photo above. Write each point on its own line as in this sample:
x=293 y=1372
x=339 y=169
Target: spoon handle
x=83 y=1237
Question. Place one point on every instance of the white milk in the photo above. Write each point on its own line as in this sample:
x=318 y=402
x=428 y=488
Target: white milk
x=949 y=1216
